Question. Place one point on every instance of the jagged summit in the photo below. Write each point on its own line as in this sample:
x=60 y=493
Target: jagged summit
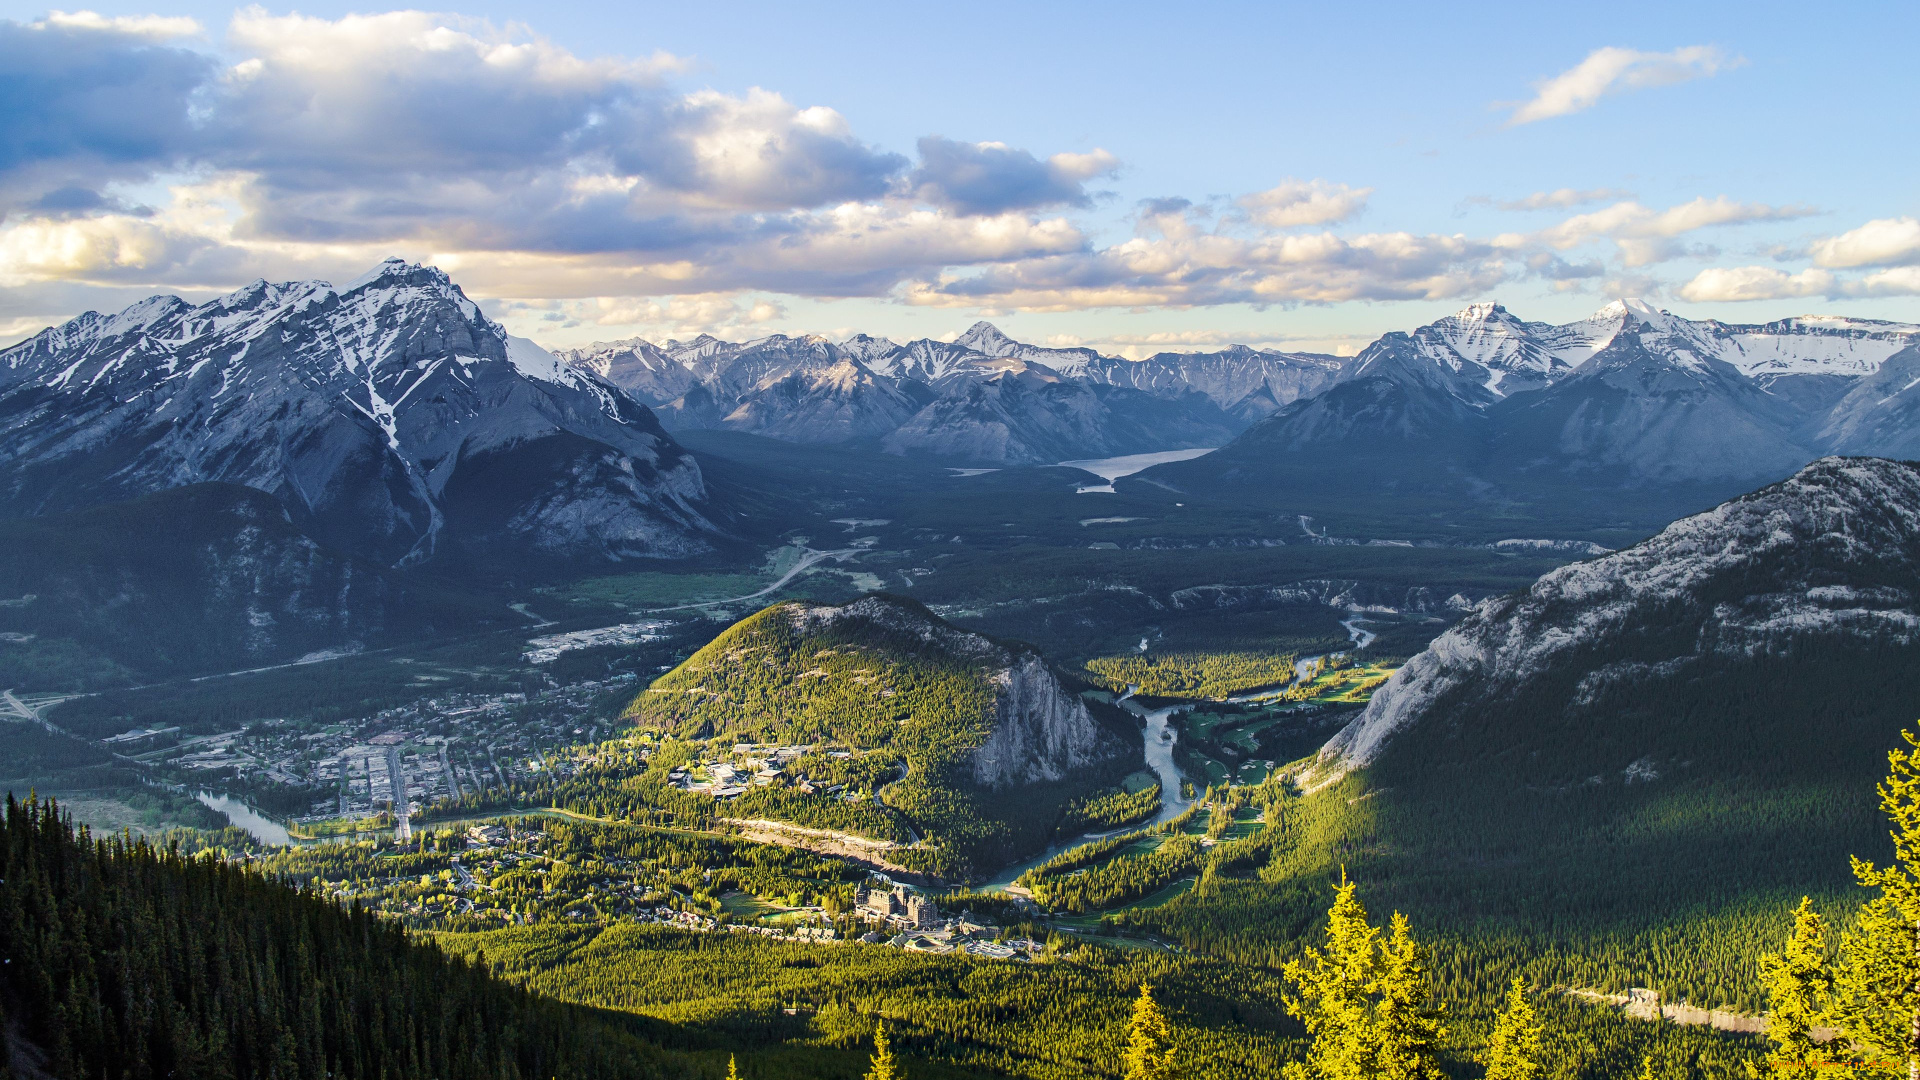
x=986 y=339
x=1633 y=306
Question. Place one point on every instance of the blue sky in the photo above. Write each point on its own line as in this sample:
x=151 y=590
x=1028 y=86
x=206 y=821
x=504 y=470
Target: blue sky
x=1128 y=176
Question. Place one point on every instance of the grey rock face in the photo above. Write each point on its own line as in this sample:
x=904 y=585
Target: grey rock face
x=1040 y=732
x=369 y=411
x=1832 y=553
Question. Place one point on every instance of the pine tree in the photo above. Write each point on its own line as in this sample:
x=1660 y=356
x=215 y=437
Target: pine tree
x=1407 y=1028
x=1333 y=999
x=1514 y=1053
x=1798 y=990
x=1877 y=989
x=733 y=1068
x=1150 y=1053
x=883 y=1067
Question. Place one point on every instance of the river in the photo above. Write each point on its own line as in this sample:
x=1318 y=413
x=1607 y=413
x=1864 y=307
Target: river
x=264 y=829
x=1157 y=746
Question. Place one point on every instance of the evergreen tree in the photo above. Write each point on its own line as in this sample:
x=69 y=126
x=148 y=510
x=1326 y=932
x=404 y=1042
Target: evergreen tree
x=883 y=1067
x=1798 y=989
x=1514 y=1053
x=1366 y=1003
x=1877 y=989
x=1150 y=1053
x=1407 y=1028
x=1333 y=1000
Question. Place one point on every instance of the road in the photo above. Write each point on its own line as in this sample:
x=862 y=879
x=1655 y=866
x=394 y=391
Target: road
x=912 y=836
x=20 y=710
x=811 y=558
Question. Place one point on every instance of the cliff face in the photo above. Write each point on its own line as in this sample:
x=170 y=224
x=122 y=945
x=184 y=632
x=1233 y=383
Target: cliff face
x=1040 y=732
x=1828 y=559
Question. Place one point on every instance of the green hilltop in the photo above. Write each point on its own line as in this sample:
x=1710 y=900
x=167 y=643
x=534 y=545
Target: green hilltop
x=973 y=746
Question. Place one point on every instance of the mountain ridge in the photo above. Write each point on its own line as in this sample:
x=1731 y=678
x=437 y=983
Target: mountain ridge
x=366 y=410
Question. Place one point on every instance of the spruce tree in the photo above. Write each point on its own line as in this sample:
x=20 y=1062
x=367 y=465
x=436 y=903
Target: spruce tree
x=1877 y=989
x=1333 y=995
x=1799 y=987
x=1514 y=1052
x=1150 y=1053
x=883 y=1067
x=1407 y=1028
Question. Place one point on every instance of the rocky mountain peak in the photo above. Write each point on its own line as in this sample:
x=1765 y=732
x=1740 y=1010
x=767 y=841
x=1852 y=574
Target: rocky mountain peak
x=987 y=339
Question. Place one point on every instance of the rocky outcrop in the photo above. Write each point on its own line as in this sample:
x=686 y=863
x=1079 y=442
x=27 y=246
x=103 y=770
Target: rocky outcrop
x=1829 y=556
x=1040 y=731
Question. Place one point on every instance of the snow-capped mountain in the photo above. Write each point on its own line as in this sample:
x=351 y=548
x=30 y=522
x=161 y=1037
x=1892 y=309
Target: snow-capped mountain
x=1247 y=383
x=1818 y=570
x=390 y=416
x=927 y=396
x=1630 y=396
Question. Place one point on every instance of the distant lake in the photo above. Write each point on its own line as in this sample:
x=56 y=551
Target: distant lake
x=264 y=829
x=1113 y=468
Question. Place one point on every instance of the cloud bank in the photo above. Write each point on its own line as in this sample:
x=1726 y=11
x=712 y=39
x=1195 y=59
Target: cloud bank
x=148 y=153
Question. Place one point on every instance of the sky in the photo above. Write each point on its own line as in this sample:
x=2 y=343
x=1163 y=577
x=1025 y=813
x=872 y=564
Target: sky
x=1127 y=176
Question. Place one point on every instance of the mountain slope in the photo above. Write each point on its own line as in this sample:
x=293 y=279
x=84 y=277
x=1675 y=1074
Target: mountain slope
x=199 y=578
x=368 y=410
x=1830 y=557
x=989 y=740
x=1638 y=412
x=1628 y=774
x=1881 y=412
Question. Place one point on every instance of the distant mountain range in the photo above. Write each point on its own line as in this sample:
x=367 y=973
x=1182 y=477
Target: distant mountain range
x=1629 y=398
x=396 y=422
x=1631 y=395
x=982 y=398
x=389 y=416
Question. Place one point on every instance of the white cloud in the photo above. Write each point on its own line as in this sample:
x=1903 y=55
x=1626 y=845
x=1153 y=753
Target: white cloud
x=1561 y=199
x=1741 y=283
x=153 y=27
x=1899 y=281
x=1611 y=70
x=1176 y=260
x=1882 y=242
x=1305 y=202
x=1645 y=236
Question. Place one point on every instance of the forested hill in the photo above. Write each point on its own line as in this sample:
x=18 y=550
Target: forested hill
x=123 y=961
x=988 y=742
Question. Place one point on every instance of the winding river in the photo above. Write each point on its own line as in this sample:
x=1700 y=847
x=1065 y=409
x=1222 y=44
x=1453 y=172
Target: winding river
x=1158 y=740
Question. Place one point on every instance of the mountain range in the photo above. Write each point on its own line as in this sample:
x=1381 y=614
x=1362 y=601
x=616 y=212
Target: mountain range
x=1631 y=396
x=982 y=398
x=396 y=422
